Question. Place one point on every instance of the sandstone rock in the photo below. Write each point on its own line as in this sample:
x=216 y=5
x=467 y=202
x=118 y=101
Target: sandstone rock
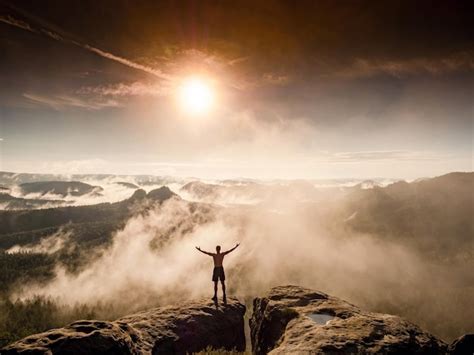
x=184 y=329
x=463 y=345
x=295 y=320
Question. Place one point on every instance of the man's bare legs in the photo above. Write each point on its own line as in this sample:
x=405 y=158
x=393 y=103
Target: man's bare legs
x=215 y=289
x=223 y=290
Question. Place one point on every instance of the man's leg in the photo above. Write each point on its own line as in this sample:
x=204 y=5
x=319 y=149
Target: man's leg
x=223 y=287
x=215 y=290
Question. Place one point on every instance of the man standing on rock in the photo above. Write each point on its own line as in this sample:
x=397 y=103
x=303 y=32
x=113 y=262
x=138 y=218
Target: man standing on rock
x=218 y=273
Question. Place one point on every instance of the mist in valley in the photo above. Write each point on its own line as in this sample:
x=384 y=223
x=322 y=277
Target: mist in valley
x=290 y=235
x=332 y=140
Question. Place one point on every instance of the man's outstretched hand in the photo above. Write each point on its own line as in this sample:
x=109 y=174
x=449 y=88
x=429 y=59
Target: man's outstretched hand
x=231 y=250
x=202 y=251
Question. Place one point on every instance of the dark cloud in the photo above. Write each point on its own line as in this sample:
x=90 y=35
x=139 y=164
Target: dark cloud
x=291 y=37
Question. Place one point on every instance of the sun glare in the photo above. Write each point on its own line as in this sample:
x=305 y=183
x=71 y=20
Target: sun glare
x=195 y=96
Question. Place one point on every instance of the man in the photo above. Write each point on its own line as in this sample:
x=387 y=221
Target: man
x=218 y=273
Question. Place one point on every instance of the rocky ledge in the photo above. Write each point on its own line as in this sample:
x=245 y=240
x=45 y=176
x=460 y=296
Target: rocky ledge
x=288 y=320
x=295 y=320
x=184 y=329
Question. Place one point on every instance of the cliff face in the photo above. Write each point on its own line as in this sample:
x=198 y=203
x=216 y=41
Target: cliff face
x=291 y=319
x=183 y=329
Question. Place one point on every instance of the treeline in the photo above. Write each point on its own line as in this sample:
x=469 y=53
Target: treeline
x=19 y=319
x=17 y=268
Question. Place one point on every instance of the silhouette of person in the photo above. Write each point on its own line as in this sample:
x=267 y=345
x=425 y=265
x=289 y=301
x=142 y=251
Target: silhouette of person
x=218 y=272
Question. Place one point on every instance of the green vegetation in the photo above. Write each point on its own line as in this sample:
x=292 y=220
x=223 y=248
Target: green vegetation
x=33 y=220
x=86 y=231
x=432 y=217
x=21 y=267
x=22 y=318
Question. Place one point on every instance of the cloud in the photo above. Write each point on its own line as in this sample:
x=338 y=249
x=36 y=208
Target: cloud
x=398 y=68
x=101 y=166
x=238 y=60
x=17 y=23
x=78 y=166
x=156 y=72
x=128 y=89
x=63 y=101
x=44 y=30
x=186 y=63
x=397 y=155
x=275 y=79
x=47 y=245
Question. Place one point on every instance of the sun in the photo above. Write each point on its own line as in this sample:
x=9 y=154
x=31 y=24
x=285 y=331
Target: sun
x=195 y=95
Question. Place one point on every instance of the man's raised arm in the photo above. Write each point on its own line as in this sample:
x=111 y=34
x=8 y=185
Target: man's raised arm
x=204 y=252
x=231 y=250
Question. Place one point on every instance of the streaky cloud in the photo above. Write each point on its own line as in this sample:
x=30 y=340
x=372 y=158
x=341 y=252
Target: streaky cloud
x=43 y=30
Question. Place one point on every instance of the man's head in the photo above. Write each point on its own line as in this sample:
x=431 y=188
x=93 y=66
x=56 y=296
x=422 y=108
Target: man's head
x=218 y=248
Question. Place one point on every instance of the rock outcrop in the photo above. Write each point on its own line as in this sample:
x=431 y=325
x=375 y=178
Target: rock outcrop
x=289 y=320
x=462 y=345
x=161 y=194
x=138 y=195
x=295 y=320
x=184 y=329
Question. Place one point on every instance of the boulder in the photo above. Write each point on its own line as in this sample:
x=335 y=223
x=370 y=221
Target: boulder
x=188 y=328
x=462 y=345
x=294 y=320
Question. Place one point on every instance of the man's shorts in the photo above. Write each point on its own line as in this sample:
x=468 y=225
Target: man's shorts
x=218 y=273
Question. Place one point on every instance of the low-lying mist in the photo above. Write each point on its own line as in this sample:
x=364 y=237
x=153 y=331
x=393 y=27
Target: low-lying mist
x=47 y=245
x=152 y=261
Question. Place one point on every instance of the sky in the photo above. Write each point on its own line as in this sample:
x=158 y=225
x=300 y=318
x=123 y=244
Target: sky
x=300 y=89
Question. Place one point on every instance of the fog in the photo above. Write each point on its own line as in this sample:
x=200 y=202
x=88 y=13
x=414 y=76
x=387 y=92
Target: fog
x=108 y=190
x=48 y=245
x=152 y=261
x=114 y=189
